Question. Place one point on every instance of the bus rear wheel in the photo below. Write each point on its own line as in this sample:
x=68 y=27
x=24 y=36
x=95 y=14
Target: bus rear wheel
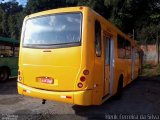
x=4 y=74
x=118 y=95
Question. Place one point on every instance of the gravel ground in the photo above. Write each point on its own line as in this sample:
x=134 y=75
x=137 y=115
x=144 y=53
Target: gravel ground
x=141 y=97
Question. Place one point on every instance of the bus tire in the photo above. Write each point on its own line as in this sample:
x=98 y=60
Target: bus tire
x=4 y=74
x=118 y=95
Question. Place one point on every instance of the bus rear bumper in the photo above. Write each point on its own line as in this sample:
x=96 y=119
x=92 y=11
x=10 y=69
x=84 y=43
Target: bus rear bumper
x=73 y=97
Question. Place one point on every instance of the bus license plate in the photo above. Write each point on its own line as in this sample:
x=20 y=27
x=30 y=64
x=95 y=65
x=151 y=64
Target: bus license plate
x=46 y=80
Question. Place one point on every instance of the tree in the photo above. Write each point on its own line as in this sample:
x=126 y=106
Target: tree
x=97 y=5
x=1 y=19
x=147 y=20
x=9 y=24
x=40 y=5
x=141 y=15
x=121 y=13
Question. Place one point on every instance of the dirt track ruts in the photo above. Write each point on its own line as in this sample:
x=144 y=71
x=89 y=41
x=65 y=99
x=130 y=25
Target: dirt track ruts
x=140 y=97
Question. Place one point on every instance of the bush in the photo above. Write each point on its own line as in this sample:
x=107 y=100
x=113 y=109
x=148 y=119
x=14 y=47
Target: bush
x=158 y=69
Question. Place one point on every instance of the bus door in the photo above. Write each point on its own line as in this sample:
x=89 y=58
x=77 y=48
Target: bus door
x=108 y=65
x=133 y=62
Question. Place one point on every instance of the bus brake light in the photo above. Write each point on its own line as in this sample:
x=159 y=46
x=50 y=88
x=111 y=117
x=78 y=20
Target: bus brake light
x=81 y=8
x=19 y=79
x=82 y=78
x=19 y=73
x=86 y=72
x=80 y=85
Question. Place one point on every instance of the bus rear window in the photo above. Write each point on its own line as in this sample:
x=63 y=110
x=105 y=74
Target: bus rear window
x=53 y=30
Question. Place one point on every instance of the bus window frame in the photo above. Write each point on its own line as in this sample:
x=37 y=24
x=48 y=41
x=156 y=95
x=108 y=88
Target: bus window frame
x=108 y=49
x=12 y=48
x=98 y=53
x=129 y=50
x=124 y=47
x=53 y=46
x=119 y=37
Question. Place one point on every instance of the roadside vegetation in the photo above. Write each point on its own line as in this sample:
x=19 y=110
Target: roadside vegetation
x=150 y=70
x=142 y=16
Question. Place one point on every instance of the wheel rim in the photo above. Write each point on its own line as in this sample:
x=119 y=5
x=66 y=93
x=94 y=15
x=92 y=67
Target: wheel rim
x=3 y=75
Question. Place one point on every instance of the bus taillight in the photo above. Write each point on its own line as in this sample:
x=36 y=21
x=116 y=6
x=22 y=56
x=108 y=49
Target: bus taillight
x=69 y=97
x=86 y=72
x=80 y=85
x=82 y=78
x=80 y=7
x=19 y=72
x=19 y=79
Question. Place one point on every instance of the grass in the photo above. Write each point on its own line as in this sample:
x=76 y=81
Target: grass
x=151 y=70
x=158 y=69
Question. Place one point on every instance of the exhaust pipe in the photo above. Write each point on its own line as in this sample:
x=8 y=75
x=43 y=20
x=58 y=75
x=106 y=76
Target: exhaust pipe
x=43 y=101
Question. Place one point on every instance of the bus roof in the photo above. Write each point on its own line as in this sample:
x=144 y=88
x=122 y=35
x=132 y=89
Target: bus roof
x=9 y=40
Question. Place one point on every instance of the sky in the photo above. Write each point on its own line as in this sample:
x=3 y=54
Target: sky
x=21 y=2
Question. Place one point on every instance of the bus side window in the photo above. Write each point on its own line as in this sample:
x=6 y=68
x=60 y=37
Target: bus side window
x=98 y=38
x=121 y=49
x=128 y=49
x=107 y=50
x=16 y=51
x=137 y=55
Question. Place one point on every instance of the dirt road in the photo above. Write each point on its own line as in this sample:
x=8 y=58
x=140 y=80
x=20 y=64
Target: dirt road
x=140 y=97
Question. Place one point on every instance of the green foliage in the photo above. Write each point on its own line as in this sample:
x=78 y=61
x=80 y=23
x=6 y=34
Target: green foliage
x=40 y=5
x=148 y=34
x=141 y=15
x=147 y=66
x=147 y=21
x=151 y=70
x=9 y=19
x=158 y=69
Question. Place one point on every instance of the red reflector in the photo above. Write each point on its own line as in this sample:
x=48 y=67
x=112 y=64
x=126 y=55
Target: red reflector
x=19 y=78
x=24 y=91
x=81 y=8
x=69 y=97
x=19 y=72
x=82 y=79
x=80 y=85
x=86 y=72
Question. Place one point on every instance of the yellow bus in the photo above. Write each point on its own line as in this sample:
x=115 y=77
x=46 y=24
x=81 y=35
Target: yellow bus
x=74 y=55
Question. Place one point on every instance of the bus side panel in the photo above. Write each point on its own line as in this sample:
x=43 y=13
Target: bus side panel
x=98 y=81
x=129 y=70
x=87 y=52
x=117 y=70
x=136 y=67
x=137 y=64
x=14 y=71
x=11 y=63
x=120 y=67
